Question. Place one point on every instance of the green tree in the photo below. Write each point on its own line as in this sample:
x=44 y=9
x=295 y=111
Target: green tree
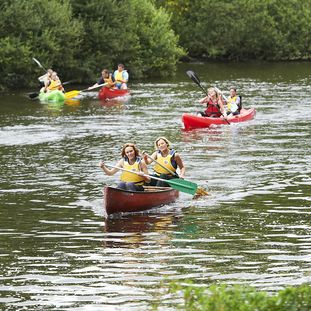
x=133 y=32
x=43 y=29
x=242 y=29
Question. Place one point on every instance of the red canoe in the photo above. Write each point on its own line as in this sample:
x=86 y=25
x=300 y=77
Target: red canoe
x=107 y=93
x=117 y=200
x=196 y=121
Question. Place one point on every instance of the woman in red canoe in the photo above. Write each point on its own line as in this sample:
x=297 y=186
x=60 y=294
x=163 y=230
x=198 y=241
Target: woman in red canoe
x=131 y=162
x=167 y=161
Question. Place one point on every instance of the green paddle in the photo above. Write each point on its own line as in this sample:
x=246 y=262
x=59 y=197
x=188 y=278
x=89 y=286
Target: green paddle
x=176 y=183
x=197 y=81
x=199 y=192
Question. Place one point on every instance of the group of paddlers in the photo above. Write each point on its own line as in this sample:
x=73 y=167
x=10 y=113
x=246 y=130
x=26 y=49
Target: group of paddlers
x=118 y=80
x=134 y=166
x=218 y=105
x=50 y=81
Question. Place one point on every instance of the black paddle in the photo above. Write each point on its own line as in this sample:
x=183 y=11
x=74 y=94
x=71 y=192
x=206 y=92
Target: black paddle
x=36 y=94
x=197 y=81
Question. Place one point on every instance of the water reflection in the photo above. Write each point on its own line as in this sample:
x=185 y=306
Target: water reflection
x=131 y=230
x=58 y=251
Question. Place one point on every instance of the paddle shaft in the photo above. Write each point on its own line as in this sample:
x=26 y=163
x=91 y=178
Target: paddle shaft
x=136 y=173
x=38 y=63
x=36 y=94
x=94 y=87
x=220 y=92
x=178 y=184
x=74 y=93
x=167 y=169
x=197 y=81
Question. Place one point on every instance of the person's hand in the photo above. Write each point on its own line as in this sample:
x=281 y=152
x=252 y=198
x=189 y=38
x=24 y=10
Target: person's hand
x=101 y=164
x=145 y=157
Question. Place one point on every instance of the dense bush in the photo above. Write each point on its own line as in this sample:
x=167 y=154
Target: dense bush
x=243 y=29
x=43 y=29
x=133 y=32
x=78 y=38
x=239 y=298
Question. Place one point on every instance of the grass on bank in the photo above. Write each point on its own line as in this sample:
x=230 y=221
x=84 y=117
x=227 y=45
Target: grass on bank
x=243 y=298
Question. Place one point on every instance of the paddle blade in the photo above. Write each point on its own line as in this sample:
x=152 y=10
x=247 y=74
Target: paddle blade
x=33 y=95
x=39 y=64
x=72 y=94
x=183 y=185
x=200 y=193
x=196 y=80
x=193 y=77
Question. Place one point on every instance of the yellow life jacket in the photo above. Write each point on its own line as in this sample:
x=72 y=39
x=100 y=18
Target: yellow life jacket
x=109 y=81
x=54 y=85
x=232 y=103
x=118 y=76
x=166 y=162
x=129 y=177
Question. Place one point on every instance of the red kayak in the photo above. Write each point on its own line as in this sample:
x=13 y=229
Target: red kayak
x=196 y=121
x=118 y=200
x=107 y=93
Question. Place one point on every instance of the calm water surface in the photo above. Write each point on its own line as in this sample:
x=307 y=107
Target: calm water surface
x=59 y=252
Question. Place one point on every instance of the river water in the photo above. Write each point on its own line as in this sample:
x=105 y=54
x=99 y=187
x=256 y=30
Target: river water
x=59 y=252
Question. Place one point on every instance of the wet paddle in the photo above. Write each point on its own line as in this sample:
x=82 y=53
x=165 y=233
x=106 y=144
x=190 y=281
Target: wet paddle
x=39 y=64
x=197 y=81
x=200 y=191
x=176 y=183
x=75 y=93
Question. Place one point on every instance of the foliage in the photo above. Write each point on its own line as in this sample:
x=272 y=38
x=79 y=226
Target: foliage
x=243 y=29
x=128 y=32
x=243 y=298
x=79 y=38
x=44 y=29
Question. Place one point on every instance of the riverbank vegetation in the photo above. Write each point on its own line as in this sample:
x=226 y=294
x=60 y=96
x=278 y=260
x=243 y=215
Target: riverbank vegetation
x=242 y=298
x=79 y=38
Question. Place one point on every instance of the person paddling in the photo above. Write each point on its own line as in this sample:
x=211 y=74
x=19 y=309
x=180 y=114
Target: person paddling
x=234 y=102
x=121 y=77
x=46 y=78
x=105 y=78
x=167 y=161
x=54 y=83
x=215 y=105
x=133 y=162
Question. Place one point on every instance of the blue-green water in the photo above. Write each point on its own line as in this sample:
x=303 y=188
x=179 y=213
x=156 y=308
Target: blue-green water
x=57 y=250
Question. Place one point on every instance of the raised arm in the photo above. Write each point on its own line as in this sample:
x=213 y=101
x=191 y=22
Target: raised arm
x=180 y=165
x=147 y=158
x=110 y=171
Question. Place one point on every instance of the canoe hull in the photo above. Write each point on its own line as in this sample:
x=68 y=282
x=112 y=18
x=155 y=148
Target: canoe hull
x=191 y=121
x=55 y=96
x=123 y=201
x=107 y=93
